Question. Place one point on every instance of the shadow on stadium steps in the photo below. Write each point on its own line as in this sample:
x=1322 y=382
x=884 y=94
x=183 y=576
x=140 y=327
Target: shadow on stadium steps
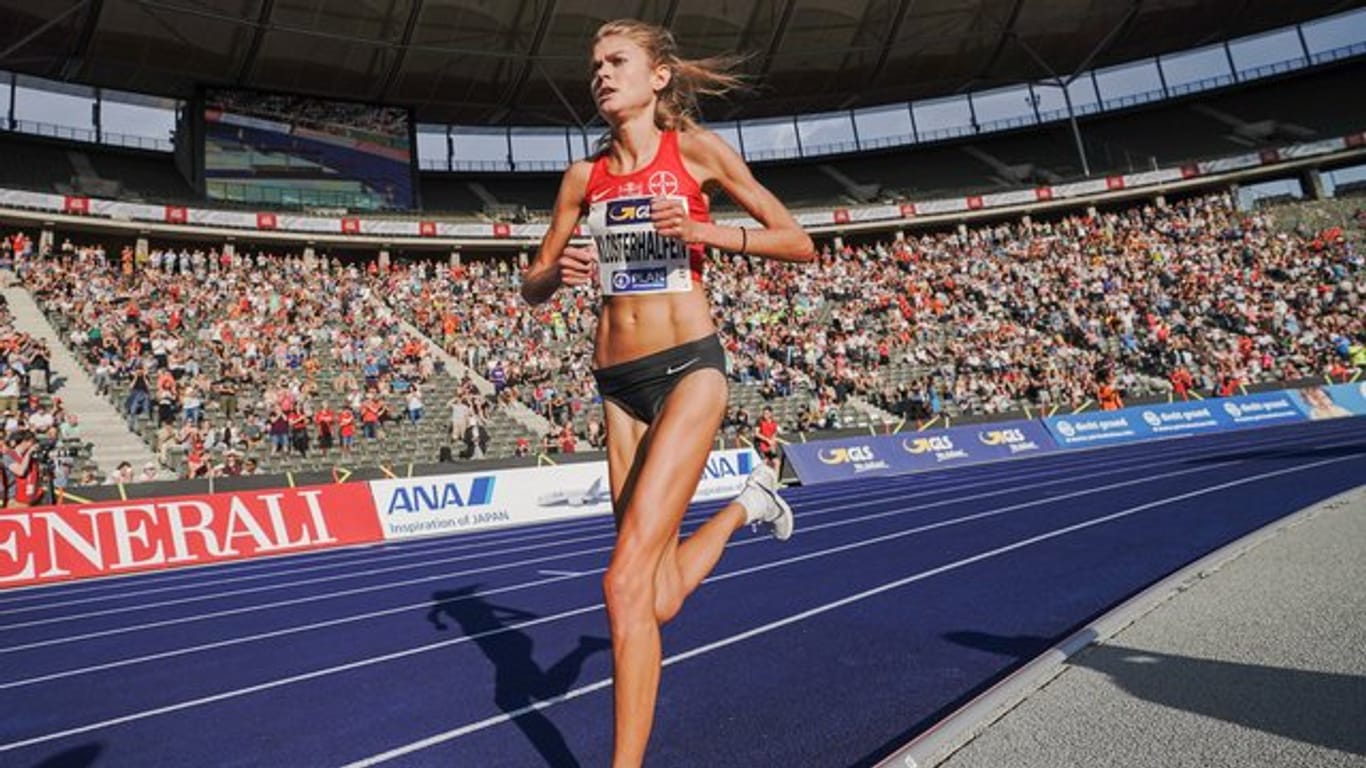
x=1320 y=708
x=519 y=681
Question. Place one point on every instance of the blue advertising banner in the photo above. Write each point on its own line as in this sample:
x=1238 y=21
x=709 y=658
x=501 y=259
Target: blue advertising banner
x=1333 y=402
x=1260 y=410
x=831 y=460
x=1174 y=419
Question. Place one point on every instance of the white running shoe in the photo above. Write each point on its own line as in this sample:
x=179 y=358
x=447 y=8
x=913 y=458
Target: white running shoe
x=763 y=504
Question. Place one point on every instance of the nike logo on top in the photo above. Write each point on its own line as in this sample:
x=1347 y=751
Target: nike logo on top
x=671 y=370
x=600 y=195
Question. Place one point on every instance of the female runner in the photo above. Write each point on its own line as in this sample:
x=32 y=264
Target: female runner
x=657 y=361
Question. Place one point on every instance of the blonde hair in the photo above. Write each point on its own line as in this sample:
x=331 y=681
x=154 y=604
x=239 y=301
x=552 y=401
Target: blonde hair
x=676 y=108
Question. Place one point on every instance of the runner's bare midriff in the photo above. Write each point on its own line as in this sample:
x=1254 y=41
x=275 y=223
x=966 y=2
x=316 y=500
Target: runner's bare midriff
x=632 y=327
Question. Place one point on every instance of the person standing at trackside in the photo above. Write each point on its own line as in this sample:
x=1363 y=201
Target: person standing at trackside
x=658 y=363
x=22 y=472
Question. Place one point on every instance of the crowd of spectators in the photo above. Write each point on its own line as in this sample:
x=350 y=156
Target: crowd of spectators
x=1194 y=297
x=1191 y=297
x=253 y=334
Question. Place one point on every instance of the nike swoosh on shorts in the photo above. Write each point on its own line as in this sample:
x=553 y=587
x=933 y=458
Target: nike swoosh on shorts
x=671 y=370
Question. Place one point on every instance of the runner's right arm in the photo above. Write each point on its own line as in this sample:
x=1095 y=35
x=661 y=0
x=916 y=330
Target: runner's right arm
x=558 y=263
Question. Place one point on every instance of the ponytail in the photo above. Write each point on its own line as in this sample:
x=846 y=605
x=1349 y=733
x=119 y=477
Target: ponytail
x=677 y=105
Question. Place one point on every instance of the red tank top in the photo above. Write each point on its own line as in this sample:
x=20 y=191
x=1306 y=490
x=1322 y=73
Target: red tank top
x=610 y=199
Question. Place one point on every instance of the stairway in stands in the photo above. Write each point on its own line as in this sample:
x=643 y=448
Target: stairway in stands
x=101 y=423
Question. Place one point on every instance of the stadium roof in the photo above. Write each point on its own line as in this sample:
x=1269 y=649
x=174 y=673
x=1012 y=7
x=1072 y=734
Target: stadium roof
x=523 y=62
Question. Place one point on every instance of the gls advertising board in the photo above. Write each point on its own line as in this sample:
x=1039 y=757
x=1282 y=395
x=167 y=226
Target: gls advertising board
x=47 y=544
x=831 y=460
x=474 y=501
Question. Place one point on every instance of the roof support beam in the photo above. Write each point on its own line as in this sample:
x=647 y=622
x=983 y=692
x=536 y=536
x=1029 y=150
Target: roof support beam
x=262 y=26
x=35 y=34
x=1108 y=40
x=397 y=66
x=81 y=49
x=668 y=21
x=893 y=32
x=779 y=32
x=1006 y=33
x=529 y=61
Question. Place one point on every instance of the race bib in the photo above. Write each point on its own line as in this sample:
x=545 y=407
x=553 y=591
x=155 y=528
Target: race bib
x=633 y=258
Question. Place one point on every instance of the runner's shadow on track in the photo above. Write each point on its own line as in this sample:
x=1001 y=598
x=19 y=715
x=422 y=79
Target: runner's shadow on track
x=519 y=681
x=1319 y=708
x=76 y=757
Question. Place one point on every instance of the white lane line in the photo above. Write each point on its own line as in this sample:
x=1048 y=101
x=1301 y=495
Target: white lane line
x=310 y=599
x=266 y=635
x=1070 y=471
x=821 y=609
x=929 y=485
x=61 y=640
x=926 y=483
x=226 y=695
x=564 y=575
x=604 y=524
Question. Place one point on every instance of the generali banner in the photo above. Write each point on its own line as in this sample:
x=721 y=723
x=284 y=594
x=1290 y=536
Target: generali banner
x=76 y=541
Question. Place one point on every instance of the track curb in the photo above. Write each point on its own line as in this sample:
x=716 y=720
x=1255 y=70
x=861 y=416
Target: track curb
x=967 y=722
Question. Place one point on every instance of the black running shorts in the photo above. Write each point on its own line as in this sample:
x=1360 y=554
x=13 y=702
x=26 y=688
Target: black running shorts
x=641 y=385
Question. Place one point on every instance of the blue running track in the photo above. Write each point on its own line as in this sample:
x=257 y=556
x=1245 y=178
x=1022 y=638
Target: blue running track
x=897 y=600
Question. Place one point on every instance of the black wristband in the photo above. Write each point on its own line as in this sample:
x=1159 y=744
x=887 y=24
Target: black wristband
x=744 y=240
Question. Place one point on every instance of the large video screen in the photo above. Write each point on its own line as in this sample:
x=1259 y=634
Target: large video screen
x=295 y=150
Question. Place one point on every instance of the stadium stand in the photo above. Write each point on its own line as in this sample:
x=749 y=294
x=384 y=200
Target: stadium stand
x=1192 y=299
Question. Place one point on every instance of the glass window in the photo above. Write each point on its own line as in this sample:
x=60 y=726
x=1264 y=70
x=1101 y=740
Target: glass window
x=770 y=139
x=479 y=149
x=1277 y=189
x=4 y=100
x=1196 y=70
x=541 y=148
x=433 y=153
x=1003 y=108
x=1052 y=104
x=1341 y=31
x=1129 y=84
x=1353 y=177
x=137 y=120
x=1083 y=93
x=1259 y=54
x=583 y=143
x=826 y=133
x=729 y=133
x=884 y=126
x=54 y=109
x=942 y=118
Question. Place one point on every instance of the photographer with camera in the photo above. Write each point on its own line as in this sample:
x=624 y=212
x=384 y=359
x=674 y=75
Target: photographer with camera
x=23 y=460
